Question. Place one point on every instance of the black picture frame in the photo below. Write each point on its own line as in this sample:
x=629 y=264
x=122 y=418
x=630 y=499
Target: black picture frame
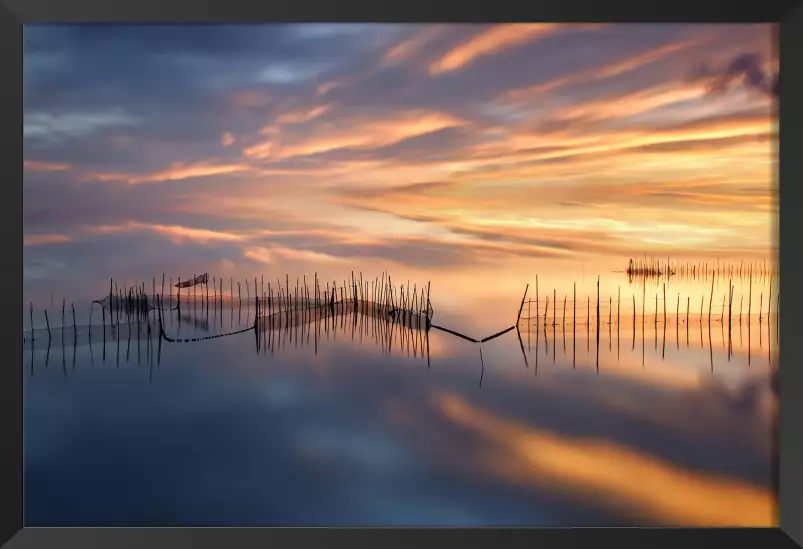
x=14 y=14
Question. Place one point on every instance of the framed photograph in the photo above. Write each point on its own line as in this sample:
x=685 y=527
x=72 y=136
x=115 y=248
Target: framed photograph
x=298 y=273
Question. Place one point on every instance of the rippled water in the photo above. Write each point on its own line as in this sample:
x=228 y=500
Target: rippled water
x=571 y=419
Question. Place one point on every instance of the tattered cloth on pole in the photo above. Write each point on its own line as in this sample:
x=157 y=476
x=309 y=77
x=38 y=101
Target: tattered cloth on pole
x=200 y=279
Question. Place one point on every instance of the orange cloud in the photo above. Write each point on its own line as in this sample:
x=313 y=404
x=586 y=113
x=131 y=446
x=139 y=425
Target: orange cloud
x=227 y=139
x=45 y=166
x=493 y=40
x=633 y=103
x=642 y=485
x=496 y=39
x=326 y=87
x=530 y=147
x=355 y=133
x=277 y=254
x=304 y=115
x=44 y=239
x=175 y=233
x=176 y=172
x=412 y=46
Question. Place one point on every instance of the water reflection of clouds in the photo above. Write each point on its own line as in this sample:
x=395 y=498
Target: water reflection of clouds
x=352 y=425
x=645 y=487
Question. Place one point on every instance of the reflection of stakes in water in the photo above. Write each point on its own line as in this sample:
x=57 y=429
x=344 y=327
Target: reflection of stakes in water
x=63 y=350
x=537 y=341
x=656 y=311
x=75 y=346
x=769 y=342
x=760 y=308
x=749 y=301
x=529 y=325
x=730 y=319
x=711 y=301
x=741 y=342
x=554 y=310
x=597 y=325
x=159 y=351
x=117 y=351
x=610 y=324
x=618 y=300
x=710 y=349
x=643 y=339
x=33 y=348
x=760 y=333
x=104 y=330
x=574 y=324
x=656 y=322
x=633 y=348
x=482 y=364
x=521 y=344
x=554 y=327
x=702 y=302
x=688 y=301
x=537 y=307
x=563 y=325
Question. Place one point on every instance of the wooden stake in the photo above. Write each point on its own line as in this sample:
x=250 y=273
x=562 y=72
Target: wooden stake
x=750 y=295
x=518 y=318
x=711 y=300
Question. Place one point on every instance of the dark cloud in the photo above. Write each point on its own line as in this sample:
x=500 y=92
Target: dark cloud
x=53 y=203
x=173 y=84
x=746 y=69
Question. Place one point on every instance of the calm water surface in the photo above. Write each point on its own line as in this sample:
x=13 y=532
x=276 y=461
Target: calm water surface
x=354 y=421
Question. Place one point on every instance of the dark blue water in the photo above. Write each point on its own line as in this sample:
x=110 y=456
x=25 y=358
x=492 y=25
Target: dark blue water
x=340 y=423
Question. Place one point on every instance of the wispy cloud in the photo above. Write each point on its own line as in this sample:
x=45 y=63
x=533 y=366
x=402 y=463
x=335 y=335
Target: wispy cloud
x=35 y=166
x=353 y=133
x=175 y=233
x=44 y=239
x=176 y=172
x=492 y=40
x=618 y=67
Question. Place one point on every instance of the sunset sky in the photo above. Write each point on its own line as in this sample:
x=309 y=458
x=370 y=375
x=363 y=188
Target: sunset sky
x=242 y=149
